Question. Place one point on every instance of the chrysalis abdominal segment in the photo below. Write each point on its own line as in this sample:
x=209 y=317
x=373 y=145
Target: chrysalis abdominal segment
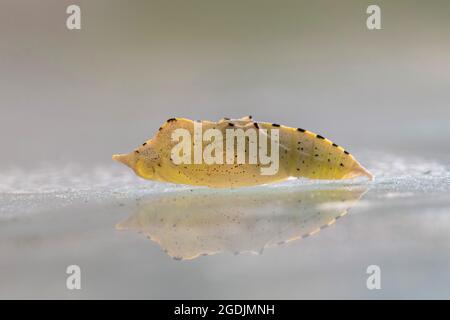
x=241 y=152
x=240 y=146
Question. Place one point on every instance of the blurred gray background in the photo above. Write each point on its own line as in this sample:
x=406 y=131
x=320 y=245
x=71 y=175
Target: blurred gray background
x=70 y=99
x=79 y=96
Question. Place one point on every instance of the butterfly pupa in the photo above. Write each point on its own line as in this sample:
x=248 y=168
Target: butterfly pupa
x=299 y=153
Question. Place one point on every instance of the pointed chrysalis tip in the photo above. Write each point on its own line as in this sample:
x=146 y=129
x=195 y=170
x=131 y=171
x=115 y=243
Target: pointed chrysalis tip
x=359 y=171
x=120 y=158
x=367 y=174
x=116 y=157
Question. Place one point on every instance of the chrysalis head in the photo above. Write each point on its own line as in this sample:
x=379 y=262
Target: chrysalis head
x=142 y=160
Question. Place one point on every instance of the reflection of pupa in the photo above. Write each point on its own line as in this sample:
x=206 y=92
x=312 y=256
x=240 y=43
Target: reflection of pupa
x=301 y=153
x=199 y=222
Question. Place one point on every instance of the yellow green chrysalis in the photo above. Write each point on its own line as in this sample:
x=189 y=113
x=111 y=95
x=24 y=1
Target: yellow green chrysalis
x=301 y=154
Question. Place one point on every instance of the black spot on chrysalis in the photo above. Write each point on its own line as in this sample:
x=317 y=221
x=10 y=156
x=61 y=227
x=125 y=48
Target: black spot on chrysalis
x=301 y=130
x=318 y=136
x=275 y=124
x=346 y=152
